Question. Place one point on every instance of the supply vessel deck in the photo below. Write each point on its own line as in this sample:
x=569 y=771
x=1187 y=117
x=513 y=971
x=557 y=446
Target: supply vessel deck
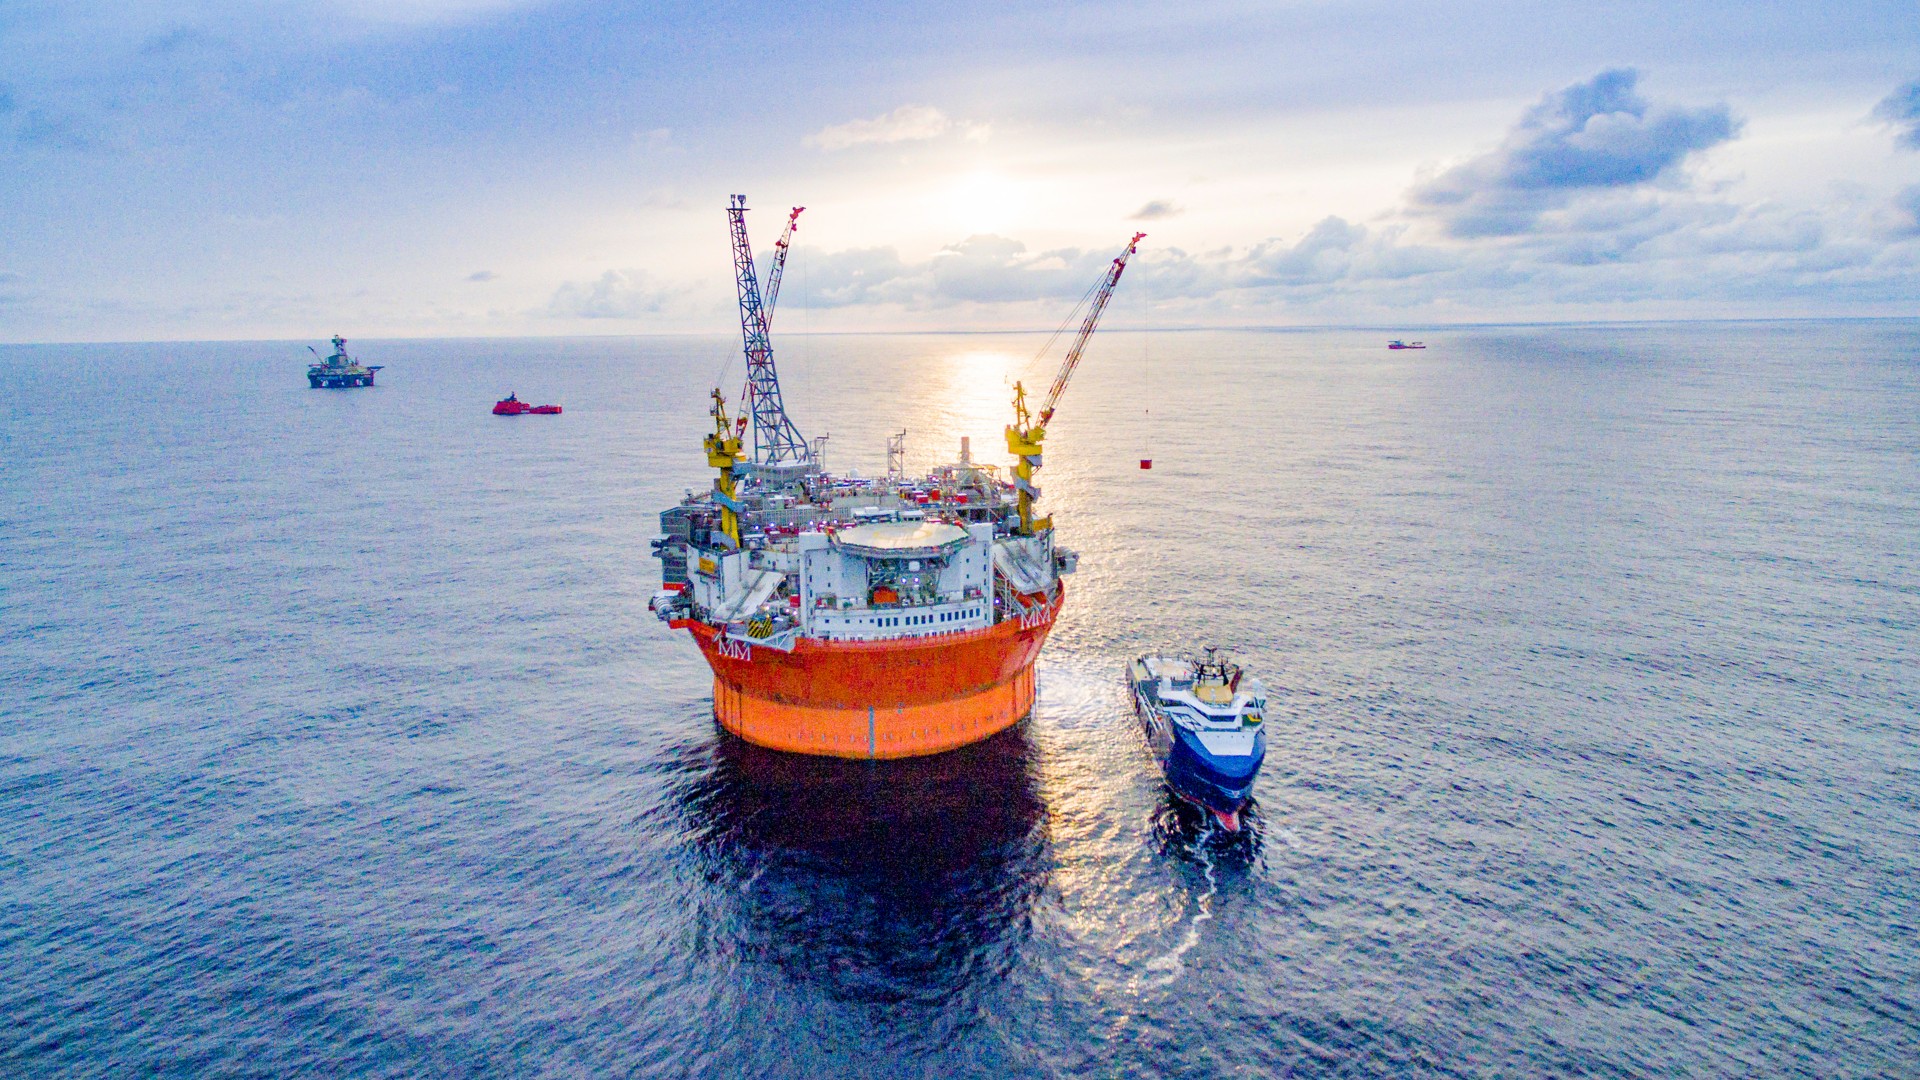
x=878 y=618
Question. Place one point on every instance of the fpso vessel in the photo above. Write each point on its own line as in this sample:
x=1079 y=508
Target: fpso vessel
x=856 y=618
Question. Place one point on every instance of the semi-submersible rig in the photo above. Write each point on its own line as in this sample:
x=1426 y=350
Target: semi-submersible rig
x=862 y=618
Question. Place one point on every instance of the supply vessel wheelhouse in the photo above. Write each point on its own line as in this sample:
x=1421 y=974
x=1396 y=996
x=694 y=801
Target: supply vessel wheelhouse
x=875 y=618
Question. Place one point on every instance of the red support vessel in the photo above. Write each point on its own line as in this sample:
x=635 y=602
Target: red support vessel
x=855 y=618
x=511 y=405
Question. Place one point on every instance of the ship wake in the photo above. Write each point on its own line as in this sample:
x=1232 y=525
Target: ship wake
x=1163 y=971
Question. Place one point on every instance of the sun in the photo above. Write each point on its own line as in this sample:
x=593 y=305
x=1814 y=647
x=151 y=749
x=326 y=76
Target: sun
x=984 y=201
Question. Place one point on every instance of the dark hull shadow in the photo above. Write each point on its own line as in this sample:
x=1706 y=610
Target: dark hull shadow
x=885 y=881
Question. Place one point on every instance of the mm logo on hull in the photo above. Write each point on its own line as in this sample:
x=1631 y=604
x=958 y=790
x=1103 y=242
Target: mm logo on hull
x=734 y=650
x=1035 y=618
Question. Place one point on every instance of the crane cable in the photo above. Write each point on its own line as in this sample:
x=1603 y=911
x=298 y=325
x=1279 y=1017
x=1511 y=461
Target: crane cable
x=1072 y=317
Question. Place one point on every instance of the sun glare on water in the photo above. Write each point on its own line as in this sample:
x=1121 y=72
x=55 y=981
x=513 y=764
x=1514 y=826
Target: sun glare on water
x=975 y=388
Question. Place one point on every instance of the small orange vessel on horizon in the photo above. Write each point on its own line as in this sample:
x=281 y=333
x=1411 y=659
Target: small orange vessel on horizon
x=511 y=405
x=882 y=618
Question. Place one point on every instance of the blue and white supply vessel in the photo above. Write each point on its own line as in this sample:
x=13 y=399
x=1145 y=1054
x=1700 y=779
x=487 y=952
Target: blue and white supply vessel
x=1205 y=720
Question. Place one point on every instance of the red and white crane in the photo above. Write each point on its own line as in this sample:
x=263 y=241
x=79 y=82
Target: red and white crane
x=779 y=266
x=1024 y=436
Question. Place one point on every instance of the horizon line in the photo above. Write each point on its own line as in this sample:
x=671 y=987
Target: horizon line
x=1260 y=328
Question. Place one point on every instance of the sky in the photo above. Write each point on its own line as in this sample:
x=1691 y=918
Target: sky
x=246 y=169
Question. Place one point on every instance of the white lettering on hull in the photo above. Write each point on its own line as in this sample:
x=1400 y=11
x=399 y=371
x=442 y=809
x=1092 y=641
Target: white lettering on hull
x=735 y=650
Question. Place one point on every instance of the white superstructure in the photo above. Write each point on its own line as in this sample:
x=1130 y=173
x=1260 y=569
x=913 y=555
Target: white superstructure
x=844 y=560
x=1218 y=705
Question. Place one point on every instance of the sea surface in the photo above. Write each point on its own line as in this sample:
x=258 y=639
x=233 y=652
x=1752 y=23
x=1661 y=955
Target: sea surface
x=336 y=738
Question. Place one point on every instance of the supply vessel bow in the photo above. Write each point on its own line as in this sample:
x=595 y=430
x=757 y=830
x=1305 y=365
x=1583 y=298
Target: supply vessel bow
x=877 y=618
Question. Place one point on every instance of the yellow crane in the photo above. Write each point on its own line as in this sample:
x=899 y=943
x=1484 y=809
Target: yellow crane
x=723 y=453
x=1024 y=436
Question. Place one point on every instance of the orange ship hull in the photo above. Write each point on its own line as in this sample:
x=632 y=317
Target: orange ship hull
x=904 y=697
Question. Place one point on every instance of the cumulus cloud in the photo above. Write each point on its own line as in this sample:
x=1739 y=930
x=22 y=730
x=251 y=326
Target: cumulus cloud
x=1585 y=204
x=1681 y=252
x=984 y=269
x=1325 y=253
x=1902 y=219
x=1900 y=110
x=1622 y=250
x=1595 y=136
x=616 y=294
x=908 y=123
x=853 y=276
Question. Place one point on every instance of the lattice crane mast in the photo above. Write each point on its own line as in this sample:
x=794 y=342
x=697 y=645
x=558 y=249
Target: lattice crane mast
x=1024 y=436
x=774 y=274
x=776 y=441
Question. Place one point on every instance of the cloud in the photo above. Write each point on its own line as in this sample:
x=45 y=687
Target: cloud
x=1156 y=210
x=1335 y=256
x=49 y=130
x=615 y=294
x=1902 y=218
x=1623 y=250
x=1324 y=254
x=1595 y=136
x=482 y=275
x=854 y=276
x=177 y=42
x=1900 y=110
x=908 y=123
x=423 y=12
x=11 y=292
x=990 y=269
x=983 y=269
x=653 y=140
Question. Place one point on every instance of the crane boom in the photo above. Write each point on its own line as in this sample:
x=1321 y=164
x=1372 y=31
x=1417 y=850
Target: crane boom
x=1025 y=435
x=1087 y=325
x=779 y=266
